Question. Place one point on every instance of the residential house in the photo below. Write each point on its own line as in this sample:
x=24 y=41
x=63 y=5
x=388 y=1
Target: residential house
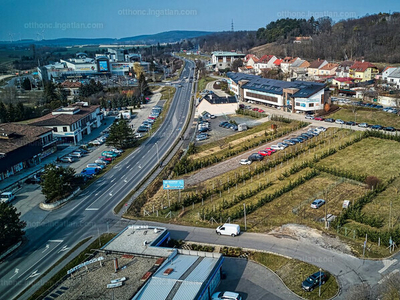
x=287 y=62
x=221 y=60
x=287 y=95
x=71 y=123
x=363 y=71
x=299 y=69
x=343 y=70
x=216 y=105
x=328 y=70
x=314 y=67
x=72 y=87
x=23 y=146
x=343 y=82
x=277 y=63
x=250 y=60
x=392 y=76
x=302 y=39
x=265 y=62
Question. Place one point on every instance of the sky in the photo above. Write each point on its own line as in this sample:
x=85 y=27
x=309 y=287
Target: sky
x=50 y=19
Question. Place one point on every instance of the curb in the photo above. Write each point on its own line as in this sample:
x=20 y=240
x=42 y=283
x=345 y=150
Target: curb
x=58 y=204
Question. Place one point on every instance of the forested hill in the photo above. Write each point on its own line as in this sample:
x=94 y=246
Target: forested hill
x=374 y=38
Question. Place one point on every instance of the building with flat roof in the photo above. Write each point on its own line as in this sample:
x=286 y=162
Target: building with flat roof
x=71 y=123
x=182 y=275
x=23 y=146
x=289 y=95
x=216 y=105
x=222 y=60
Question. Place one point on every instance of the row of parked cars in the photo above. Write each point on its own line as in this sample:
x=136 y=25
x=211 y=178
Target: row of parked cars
x=228 y=125
x=106 y=157
x=256 y=109
x=351 y=123
x=282 y=145
x=148 y=123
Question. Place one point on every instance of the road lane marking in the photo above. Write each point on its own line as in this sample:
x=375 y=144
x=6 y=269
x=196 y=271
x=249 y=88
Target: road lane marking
x=386 y=264
x=34 y=274
x=55 y=241
x=388 y=276
x=65 y=248
x=112 y=180
x=15 y=273
x=128 y=166
x=47 y=248
x=91 y=208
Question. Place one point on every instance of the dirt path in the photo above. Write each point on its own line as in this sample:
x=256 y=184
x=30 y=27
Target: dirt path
x=232 y=163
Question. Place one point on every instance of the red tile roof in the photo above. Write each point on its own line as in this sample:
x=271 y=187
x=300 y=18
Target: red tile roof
x=344 y=79
x=278 y=61
x=329 y=66
x=248 y=56
x=360 y=66
x=71 y=84
x=265 y=58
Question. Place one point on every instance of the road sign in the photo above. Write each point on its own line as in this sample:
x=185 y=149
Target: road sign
x=173 y=184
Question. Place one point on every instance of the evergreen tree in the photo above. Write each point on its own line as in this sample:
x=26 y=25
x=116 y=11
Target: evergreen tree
x=50 y=92
x=121 y=135
x=143 y=86
x=57 y=182
x=3 y=113
x=11 y=113
x=26 y=84
x=20 y=112
x=11 y=227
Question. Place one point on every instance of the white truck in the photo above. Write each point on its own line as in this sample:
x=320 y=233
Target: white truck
x=7 y=197
x=228 y=229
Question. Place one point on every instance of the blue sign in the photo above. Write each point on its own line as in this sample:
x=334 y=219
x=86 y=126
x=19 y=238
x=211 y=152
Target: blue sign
x=173 y=184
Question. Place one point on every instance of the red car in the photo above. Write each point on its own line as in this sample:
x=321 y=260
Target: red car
x=255 y=109
x=270 y=150
x=106 y=158
x=265 y=153
x=261 y=110
x=318 y=118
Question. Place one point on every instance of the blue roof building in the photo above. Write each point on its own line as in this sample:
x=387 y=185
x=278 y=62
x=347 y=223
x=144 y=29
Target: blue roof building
x=289 y=95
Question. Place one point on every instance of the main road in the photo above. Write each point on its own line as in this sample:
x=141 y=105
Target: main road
x=91 y=212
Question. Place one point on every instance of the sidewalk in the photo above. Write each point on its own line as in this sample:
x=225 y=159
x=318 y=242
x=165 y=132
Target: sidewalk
x=12 y=181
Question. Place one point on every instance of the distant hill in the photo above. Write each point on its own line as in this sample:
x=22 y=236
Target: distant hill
x=163 y=37
x=375 y=38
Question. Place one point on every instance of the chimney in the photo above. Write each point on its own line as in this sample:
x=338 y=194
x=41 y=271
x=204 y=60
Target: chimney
x=318 y=58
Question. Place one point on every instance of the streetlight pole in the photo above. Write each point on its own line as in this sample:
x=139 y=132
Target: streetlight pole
x=245 y=223
x=319 y=293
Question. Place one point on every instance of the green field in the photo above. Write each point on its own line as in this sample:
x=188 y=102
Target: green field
x=368 y=115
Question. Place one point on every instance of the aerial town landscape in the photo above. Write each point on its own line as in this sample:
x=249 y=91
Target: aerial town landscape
x=186 y=150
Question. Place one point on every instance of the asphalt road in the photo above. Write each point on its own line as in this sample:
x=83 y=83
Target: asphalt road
x=91 y=212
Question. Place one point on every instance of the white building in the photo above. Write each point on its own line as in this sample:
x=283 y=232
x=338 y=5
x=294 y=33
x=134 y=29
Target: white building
x=216 y=105
x=223 y=60
x=294 y=95
x=392 y=76
x=71 y=123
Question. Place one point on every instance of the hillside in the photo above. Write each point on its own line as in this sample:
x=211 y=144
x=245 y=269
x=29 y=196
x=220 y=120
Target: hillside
x=373 y=38
x=162 y=37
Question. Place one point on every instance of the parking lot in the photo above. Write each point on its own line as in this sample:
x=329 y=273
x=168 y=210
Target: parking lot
x=252 y=281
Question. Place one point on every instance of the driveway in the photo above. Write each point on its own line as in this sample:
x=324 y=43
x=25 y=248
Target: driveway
x=252 y=281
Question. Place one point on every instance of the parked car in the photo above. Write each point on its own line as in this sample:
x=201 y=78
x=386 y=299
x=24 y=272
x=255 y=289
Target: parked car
x=255 y=109
x=67 y=159
x=7 y=197
x=99 y=166
x=228 y=229
x=120 y=151
x=109 y=159
x=317 y=203
x=330 y=120
x=270 y=149
x=284 y=145
x=90 y=171
x=201 y=137
x=265 y=153
x=222 y=123
x=245 y=161
x=290 y=142
x=101 y=162
x=76 y=155
x=310 y=117
x=376 y=127
x=313 y=281
x=318 y=118
x=338 y=121
x=255 y=157
x=226 y=296
x=261 y=110
x=213 y=116
x=389 y=129
x=321 y=128
x=351 y=123
x=276 y=147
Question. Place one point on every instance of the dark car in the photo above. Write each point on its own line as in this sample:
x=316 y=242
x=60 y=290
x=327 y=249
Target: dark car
x=222 y=124
x=376 y=127
x=313 y=281
x=255 y=157
x=389 y=129
x=351 y=123
x=330 y=120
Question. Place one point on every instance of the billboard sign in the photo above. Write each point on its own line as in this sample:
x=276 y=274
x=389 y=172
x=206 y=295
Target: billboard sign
x=173 y=184
x=103 y=66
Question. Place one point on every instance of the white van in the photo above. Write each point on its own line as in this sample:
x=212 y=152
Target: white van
x=7 y=197
x=228 y=229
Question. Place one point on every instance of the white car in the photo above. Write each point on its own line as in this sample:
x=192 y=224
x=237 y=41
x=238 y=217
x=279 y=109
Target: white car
x=321 y=128
x=364 y=125
x=311 y=117
x=338 y=121
x=119 y=151
x=277 y=147
x=245 y=161
x=226 y=296
x=317 y=203
x=282 y=145
x=67 y=159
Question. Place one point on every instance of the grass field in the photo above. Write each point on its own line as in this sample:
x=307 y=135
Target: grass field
x=371 y=156
x=202 y=83
x=293 y=272
x=368 y=115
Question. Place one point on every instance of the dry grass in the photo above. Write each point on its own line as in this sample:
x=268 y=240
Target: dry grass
x=371 y=156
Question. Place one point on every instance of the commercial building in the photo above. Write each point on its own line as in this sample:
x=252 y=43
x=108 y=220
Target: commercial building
x=216 y=105
x=221 y=60
x=23 y=146
x=70 y=124
x=292 y=96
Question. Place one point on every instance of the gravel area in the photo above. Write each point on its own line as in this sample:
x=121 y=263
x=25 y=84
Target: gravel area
x=92 y=284
x=232 y=163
